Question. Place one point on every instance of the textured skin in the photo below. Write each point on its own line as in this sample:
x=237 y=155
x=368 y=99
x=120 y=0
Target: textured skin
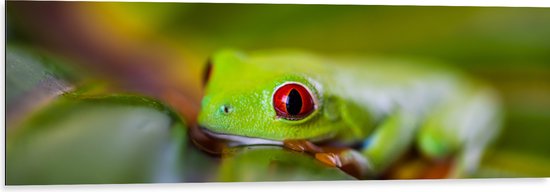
x=388 y=104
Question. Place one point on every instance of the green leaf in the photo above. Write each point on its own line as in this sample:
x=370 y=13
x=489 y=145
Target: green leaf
x=265 y=163
x=25 y=73
x=116 y=139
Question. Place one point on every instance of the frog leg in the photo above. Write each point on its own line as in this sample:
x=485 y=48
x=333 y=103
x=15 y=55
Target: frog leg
x=461 y=129
x=390 y=140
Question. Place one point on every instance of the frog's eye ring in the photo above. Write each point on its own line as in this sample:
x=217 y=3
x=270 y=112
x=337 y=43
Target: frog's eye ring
x=207 y=72
x=293 y=101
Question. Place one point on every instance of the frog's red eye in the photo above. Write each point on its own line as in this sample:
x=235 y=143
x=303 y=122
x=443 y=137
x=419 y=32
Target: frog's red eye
x=207 y=72
x=293 y=101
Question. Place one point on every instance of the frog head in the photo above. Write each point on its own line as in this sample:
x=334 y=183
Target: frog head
x=265 y=98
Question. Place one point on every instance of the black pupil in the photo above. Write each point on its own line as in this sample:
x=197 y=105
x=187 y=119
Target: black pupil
x=294 y=102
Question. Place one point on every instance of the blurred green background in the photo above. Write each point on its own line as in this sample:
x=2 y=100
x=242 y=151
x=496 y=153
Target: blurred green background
x=507 y=47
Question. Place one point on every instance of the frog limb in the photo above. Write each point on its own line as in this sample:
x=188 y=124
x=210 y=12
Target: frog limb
x=348 y=160
x=462 y=128
x=389 y=140
x=392 y=138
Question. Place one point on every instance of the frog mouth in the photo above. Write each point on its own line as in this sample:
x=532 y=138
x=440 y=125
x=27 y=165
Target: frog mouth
x=239 y=140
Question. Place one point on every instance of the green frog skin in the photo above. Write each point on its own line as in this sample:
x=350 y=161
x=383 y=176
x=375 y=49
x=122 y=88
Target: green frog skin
x=385 y=106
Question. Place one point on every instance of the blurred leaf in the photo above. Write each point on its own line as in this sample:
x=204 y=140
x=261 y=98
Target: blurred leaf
x=25 y=72
x=275 y=164
x=510 y=164
x=117 y=139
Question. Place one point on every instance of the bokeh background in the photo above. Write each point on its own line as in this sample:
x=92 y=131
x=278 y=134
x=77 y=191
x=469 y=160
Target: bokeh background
x=104 y=92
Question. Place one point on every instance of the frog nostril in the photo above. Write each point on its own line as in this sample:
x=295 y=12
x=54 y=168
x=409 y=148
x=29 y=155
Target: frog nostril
x=226 y=109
